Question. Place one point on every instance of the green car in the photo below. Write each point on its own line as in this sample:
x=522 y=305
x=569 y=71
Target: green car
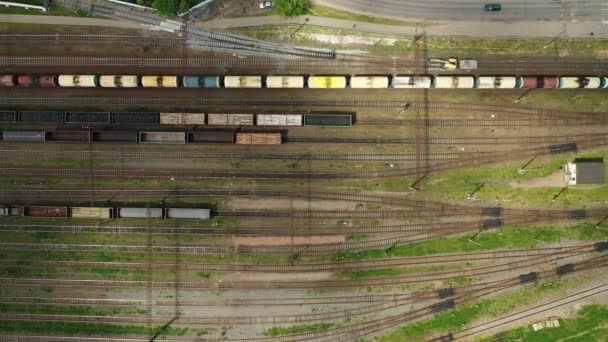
x=492 y=7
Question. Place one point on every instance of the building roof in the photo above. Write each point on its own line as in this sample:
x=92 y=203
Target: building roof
x=590 y=173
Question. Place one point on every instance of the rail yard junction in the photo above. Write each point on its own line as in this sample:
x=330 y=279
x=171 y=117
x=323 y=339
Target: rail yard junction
x=169 y=181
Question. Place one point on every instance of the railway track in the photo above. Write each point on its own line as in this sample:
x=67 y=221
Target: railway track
x=319 y=194
x=420 y=278
x=227 y=41
x=442 y=107
x=245 y=231
x=311 y=267
x=185 y=173
x=197 y=249
x=590 y=67
x=249 y=155
x=455 y=296
x=493 y=324
x=131 y=101
x=175 y=62
x=446 y=140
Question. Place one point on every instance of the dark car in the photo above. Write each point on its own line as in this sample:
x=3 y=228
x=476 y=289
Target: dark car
x=492 y=7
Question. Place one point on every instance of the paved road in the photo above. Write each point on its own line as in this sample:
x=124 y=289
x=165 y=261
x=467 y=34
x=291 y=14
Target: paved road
x=458 y=28
x=472 y=10
x=71 y=21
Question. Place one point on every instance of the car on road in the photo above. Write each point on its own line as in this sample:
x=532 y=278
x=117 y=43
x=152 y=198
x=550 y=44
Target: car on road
x=492 y=7
x=266 y=4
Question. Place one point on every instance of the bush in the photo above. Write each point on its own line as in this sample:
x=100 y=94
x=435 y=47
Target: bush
x=170 y=6
x=291 y=8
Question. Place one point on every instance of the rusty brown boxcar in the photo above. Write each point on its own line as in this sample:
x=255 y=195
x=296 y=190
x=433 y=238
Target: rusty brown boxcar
x=45 y=211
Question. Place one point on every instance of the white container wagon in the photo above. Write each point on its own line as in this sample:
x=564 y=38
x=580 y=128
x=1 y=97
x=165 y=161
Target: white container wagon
x=186 y=213
x=140 y=213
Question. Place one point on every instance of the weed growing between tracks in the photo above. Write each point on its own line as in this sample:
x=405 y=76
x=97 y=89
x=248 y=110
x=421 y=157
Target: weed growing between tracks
x=297 y=329
x=82 y=329
x=66 y=310
x=589 y=325
x=463 y=316
x=510 y=238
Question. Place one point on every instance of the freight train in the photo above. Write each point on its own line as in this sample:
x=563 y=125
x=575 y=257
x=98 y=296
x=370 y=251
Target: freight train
x=303 y=81
x=199 y=119
x=146 y=137
x=106 y=212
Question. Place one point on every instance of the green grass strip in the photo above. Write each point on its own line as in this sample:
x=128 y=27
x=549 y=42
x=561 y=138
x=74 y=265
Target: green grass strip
x=462 y=316
x=297 y=329
x=510 y=238
x=590 y=324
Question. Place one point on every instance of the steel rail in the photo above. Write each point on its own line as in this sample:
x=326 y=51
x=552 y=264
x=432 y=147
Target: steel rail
x=494 y=141
x=333 y=284
x=306 y=267
x=128 y=173
x=459 y=297
x=195 y=248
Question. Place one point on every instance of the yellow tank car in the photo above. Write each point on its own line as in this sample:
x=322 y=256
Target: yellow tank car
x=159 y=81
x=321 y=82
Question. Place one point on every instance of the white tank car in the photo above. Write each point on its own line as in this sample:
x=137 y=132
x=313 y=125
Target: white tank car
x=496 y=82
x=446 y=82
x=412 y=82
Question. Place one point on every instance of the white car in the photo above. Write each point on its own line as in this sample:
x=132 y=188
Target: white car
x=266 y=4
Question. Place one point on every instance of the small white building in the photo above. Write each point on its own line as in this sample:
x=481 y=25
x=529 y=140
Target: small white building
x=585 y=173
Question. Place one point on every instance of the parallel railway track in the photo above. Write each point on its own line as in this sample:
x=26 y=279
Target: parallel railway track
x=198 y=249
x=458 y=296
x=589 y=67
x=421 y=278
x=311 y=267
x=514 y=112
x=185 y=173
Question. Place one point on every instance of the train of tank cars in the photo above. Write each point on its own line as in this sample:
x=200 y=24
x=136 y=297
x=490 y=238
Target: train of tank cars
x=106 y=212
x=314 y=82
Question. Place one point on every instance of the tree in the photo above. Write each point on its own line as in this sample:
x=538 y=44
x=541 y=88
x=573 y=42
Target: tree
x=184 y=5
x=165 y=6
x=291 y=8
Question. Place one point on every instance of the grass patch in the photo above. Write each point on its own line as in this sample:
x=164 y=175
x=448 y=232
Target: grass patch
x=328 y=12
x=511 y=238
x=456 y=319
x=81 y=329
x=358 y=274
x=66 y=310
x=589 y=325
x=297 y=329
x=203 y=275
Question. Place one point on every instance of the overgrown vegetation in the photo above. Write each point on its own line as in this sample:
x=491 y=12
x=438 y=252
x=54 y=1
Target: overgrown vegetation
x=589 y=325
x=461 y=317
x=81 y=329
x=167 y=7
x=297 y=329
x=509 y=238
x=291 y=8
